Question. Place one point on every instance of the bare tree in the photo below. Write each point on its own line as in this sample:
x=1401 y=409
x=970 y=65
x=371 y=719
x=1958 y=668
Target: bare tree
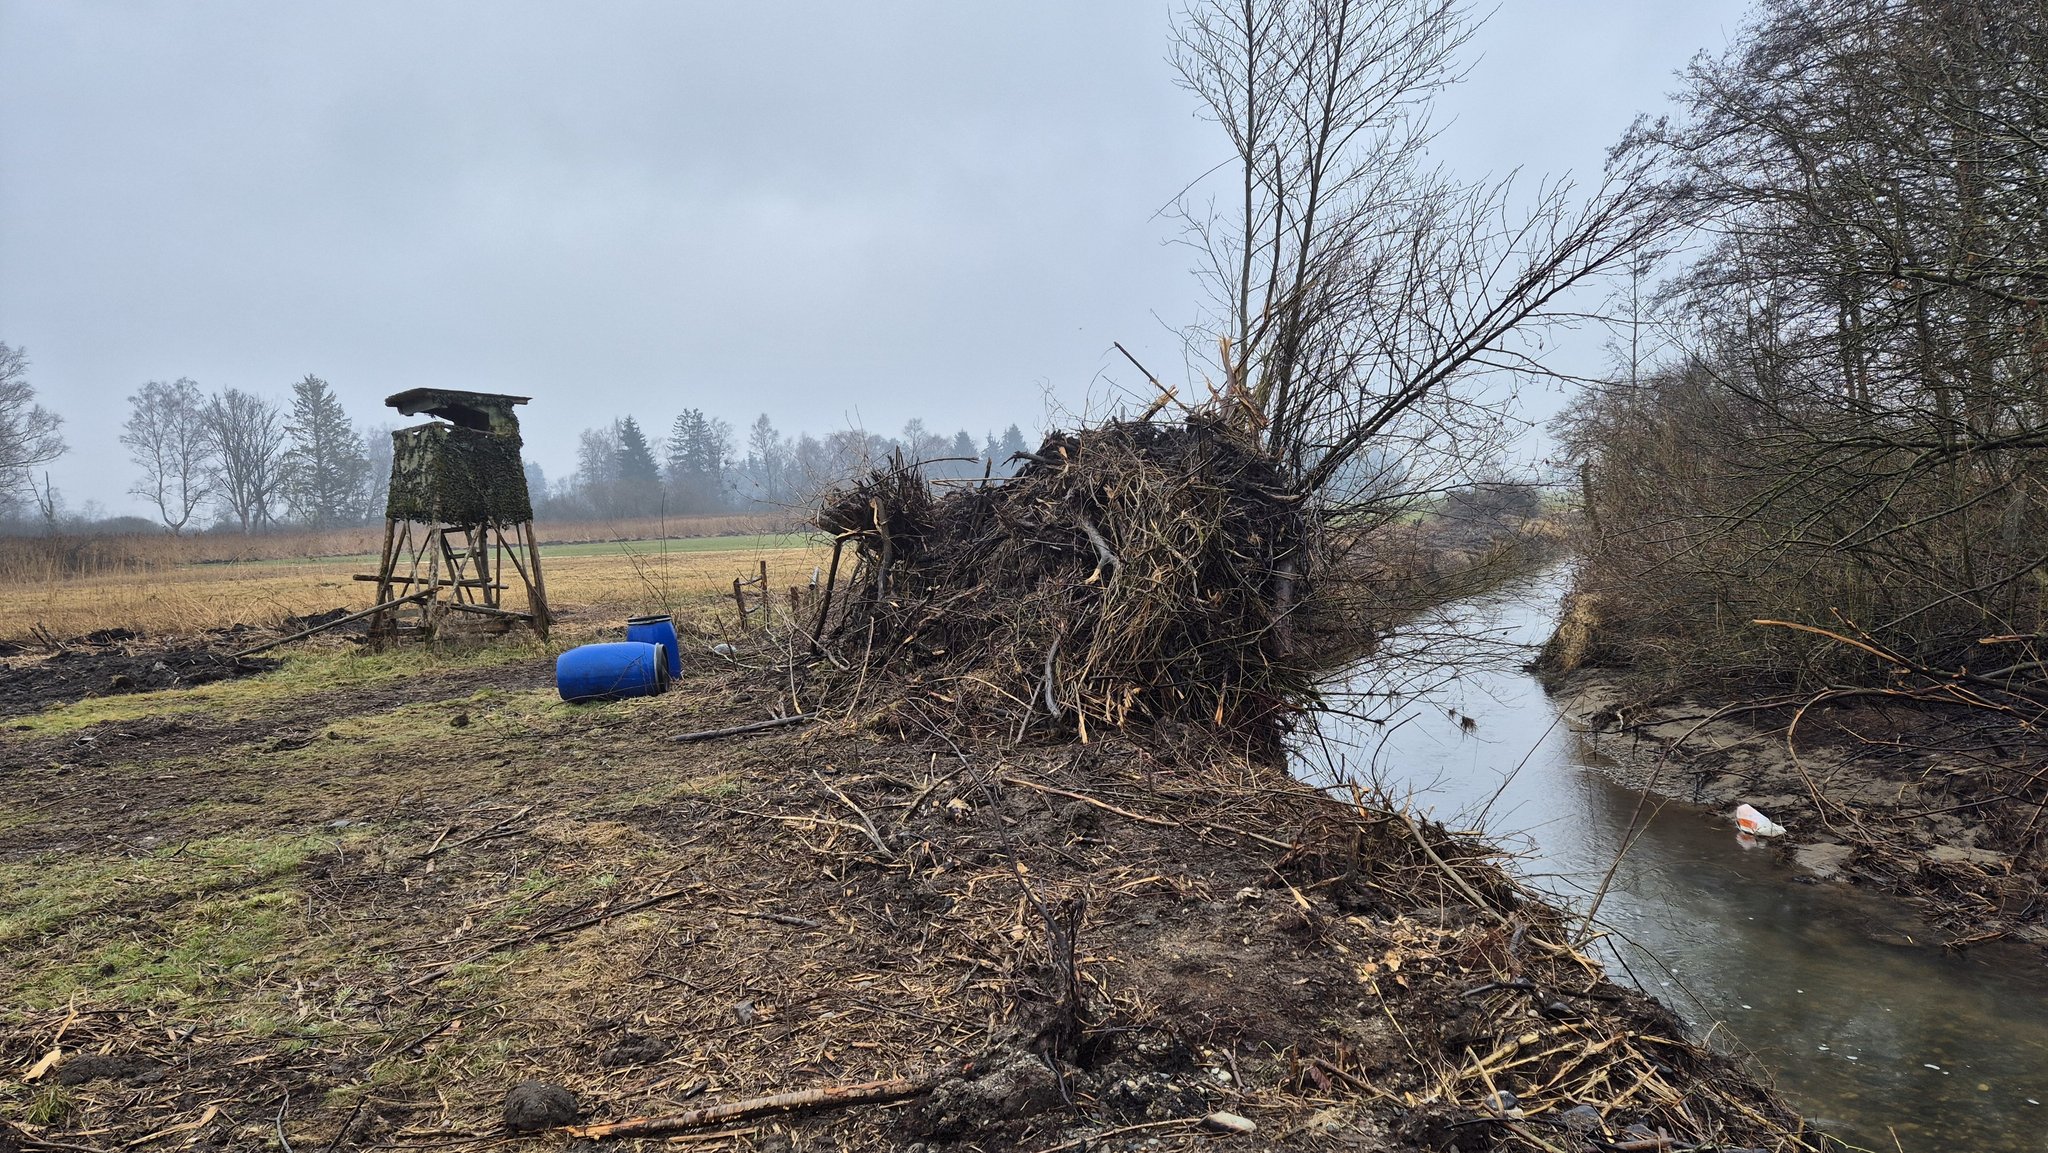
x=1854 y=429
x=168 y=440
x=377 y=471
x=249 y=461
x=1363 y=299
x=49 y=504
x=1372 y=313
x=28 y=431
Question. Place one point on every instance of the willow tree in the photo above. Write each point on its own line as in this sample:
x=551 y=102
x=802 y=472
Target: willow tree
x=1366 y=303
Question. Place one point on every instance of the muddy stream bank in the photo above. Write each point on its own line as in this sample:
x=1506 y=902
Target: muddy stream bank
x=1871 y=1033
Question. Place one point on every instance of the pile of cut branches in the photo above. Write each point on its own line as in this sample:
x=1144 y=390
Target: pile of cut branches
x=1132 y=573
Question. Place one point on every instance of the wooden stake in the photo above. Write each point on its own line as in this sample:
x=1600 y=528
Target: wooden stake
x=537 y=589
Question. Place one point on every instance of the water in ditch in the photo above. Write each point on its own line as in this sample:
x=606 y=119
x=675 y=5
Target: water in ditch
x=1873 y=1039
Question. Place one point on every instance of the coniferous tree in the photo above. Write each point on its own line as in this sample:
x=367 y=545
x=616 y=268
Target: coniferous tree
x=639 y=478
x=696 y=454
x=327 y=469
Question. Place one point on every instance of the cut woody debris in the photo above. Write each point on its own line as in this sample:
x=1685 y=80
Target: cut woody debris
x=1128 y=573
x=826 y=1097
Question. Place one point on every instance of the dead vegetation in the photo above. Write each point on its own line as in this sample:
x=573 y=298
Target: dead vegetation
x=65 y=556
x=358 y=918
x=1814 y=495
x=1126 y=574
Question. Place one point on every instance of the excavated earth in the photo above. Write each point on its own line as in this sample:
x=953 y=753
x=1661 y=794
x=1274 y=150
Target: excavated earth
x=440 y=909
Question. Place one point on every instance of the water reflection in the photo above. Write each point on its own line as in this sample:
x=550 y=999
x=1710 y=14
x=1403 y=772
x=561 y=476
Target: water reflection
x=1867 y=1037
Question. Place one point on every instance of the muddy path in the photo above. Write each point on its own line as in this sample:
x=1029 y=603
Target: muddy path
x=360 y=918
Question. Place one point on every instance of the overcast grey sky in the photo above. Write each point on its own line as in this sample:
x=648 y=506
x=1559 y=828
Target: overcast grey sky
x=834 y=213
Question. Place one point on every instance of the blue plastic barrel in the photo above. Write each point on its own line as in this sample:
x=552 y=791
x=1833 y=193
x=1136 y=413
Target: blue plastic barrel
x=611 y=672
x=658 y=630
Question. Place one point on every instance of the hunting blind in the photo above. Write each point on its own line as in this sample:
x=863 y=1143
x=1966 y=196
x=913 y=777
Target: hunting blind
x=457 y=513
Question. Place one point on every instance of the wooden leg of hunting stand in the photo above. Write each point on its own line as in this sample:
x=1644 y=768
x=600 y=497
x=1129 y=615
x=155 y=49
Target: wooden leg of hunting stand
x=431 y=610
x=537 y=589
x=381 y=625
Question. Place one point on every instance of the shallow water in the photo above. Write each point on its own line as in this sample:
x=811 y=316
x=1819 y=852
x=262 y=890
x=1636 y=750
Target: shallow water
x=1868 y=1039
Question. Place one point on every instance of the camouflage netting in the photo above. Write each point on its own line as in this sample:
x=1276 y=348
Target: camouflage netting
x=450 y=475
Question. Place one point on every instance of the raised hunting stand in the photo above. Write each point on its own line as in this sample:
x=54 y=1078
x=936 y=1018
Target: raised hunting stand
x=458 y=511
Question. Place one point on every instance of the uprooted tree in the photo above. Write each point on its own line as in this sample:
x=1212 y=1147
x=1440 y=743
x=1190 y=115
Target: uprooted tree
x=1368 y=314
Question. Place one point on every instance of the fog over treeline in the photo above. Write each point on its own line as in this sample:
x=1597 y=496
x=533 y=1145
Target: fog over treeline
x=833 y=217
x=230 y=460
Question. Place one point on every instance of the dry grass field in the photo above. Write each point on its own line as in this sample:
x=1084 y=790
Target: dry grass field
x=692 y=577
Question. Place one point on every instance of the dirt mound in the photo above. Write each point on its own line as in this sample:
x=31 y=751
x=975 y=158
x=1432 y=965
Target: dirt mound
x=73 y=673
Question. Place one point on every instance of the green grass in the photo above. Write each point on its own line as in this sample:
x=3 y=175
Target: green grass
x=761 y=542
x=163 y=928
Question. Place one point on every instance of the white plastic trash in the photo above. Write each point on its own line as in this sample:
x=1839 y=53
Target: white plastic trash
x=1750 y=821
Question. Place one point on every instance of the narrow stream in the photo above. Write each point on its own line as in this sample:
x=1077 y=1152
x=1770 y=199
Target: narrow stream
x=1867 y=1038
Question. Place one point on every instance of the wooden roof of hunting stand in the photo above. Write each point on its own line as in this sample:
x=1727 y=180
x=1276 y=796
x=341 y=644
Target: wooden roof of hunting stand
x=482 y=411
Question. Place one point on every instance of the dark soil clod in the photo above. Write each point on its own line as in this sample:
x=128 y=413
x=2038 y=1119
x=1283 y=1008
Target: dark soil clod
x=532 y=1106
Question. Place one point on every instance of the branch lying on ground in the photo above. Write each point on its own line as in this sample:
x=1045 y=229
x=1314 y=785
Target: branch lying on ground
x=825 y=1097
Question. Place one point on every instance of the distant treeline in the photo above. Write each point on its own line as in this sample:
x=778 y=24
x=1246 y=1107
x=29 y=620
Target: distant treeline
x=243 y=462
x=700 y=467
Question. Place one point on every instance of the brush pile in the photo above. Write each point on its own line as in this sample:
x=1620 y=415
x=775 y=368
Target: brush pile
x=1132 y=573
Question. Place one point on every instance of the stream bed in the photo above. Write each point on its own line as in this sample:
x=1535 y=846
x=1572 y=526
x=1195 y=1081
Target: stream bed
x=1873 y=1039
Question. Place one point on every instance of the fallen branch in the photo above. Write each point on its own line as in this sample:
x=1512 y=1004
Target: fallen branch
x=438 y=848
x=790 y=919
x=1088 y=800
x=827 y=1097
x=867 y=825
x=1471 y=894
x=1105 y=560
x=556 y=930
x=1092 y=1138
x=751 y=727
x=249 y=652
x=608 y=914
